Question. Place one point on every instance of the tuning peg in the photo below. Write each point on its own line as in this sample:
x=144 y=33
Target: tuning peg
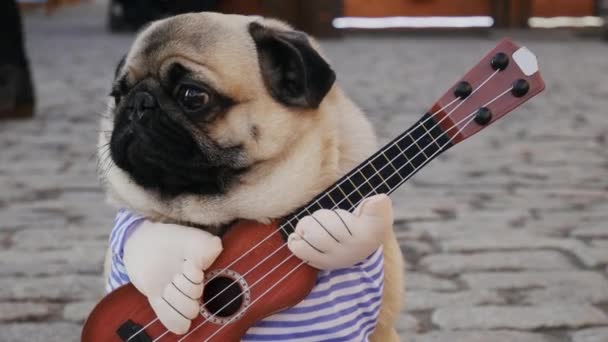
x=483 y=116
x=463 y=89
x=520 y=88
x=500 y=61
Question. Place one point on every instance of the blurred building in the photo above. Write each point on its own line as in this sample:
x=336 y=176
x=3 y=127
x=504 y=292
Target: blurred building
x=325 y=16
x=328 y=17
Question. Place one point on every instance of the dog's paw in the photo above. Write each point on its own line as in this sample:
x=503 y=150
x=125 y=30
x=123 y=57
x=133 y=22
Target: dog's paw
x=330 y=239
x=180 y=302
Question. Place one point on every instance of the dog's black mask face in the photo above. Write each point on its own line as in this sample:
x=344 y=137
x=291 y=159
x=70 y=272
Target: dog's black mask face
x=158 y=140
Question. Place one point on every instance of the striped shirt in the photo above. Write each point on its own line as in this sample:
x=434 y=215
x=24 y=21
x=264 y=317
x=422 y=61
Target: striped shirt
x=343 y=305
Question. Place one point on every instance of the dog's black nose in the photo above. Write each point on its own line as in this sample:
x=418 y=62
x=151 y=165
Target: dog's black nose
x=141 y=102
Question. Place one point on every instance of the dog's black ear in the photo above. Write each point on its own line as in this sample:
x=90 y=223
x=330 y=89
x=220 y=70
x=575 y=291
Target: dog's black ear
x=294 y=73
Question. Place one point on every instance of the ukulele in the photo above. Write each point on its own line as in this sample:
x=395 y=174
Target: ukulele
x=256 y=275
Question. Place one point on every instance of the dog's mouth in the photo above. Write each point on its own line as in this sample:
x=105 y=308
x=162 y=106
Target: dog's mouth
x=160 y=154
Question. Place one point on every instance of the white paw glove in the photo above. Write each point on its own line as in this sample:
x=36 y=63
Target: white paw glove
x=165 y=262
x=330 y=239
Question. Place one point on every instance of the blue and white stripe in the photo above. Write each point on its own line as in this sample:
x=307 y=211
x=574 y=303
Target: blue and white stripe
x=124 y=225
x=343 y=306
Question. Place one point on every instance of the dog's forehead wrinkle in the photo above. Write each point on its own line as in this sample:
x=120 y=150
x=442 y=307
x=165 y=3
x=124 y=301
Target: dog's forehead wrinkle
x=157 y=35
x=195 y=32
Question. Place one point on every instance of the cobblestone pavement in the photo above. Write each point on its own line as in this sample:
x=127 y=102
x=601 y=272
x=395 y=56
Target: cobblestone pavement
x=505 y=236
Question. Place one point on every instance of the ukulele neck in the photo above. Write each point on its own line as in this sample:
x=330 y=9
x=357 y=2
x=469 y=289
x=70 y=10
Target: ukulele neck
x=384 y=171
x=505 y=78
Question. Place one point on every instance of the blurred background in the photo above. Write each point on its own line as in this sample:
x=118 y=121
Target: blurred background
x=505 y=236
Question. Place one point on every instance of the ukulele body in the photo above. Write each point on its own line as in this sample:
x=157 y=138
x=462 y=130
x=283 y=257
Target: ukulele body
x=127 y=304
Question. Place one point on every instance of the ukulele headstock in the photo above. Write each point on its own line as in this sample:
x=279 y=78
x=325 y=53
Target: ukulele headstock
x=505 y=78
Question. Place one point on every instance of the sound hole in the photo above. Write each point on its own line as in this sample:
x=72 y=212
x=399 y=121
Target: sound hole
x=215 y=305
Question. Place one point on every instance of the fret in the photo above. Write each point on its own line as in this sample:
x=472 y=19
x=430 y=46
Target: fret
x=346 y=197
x=441 y=138
x=384 y=169
x=355 y=187
x=288 y=227
x=360 y=182
x=418 y=136
x=334 y=204
x=400 y=162
x=376 y=179
x=325 y=202
x=351 y=190
x=367 y=172
x=432 y=130
x=393 y=166
x=426 y=140
x=411 y=152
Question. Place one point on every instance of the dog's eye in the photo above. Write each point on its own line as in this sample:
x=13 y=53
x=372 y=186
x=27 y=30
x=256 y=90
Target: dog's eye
x=192 y=98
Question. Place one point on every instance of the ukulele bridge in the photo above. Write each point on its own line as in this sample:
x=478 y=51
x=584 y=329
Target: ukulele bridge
x=226 y=297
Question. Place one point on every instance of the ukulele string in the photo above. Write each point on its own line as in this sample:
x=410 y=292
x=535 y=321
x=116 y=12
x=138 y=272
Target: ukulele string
x=289 y=223
x=470 y=118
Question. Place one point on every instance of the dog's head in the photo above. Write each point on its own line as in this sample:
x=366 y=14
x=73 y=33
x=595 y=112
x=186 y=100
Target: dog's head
x=202 y=105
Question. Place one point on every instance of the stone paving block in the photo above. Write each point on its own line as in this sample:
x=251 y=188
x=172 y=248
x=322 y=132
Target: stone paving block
x=452 y=264
x=22 y=311
x=14 y=218
x=590 y=335
x=421 y=281
x=40 y=332
x=82 y=259
x=603 y=244
x=78 y=311
x=66 y=238
x=407 y=323
x=477 y=336
x=592 y=232
x=521 y=241
x=529 y=280
x=426 y=300
x=68 y=287
x=416 y=248
x=441 y=230
x=519 y=317
x=565 y=294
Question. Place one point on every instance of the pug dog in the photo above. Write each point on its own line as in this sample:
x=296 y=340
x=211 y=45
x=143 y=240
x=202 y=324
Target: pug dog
x=217 y=118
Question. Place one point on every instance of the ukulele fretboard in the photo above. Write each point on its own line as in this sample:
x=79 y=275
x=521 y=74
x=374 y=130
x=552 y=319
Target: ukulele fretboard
x=381 y=173
x=505 y=78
